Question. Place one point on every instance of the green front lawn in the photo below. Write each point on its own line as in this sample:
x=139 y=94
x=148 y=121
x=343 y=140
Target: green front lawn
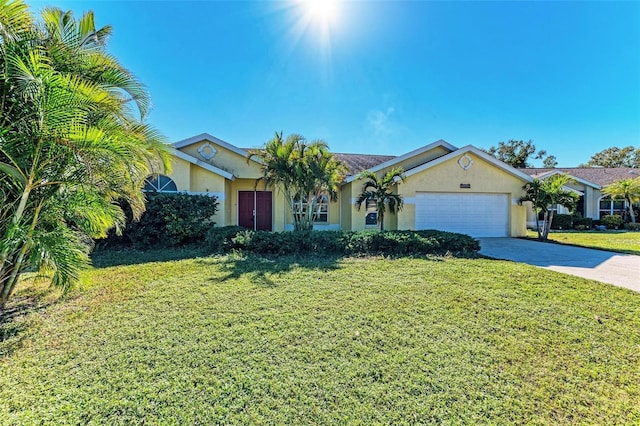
x=239 y=340
x=618 y=241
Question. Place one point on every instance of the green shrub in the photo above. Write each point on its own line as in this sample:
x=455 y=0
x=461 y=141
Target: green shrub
x=452 y=242
x=632 y=226
x=580 y=227
x=169 y=220
x=219 y=240
x=562 y=221
x=612 y=221
x=587 y=222
x=390 y=243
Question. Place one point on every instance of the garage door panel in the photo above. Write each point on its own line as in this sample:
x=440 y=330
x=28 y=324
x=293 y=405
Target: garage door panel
x=478 y=215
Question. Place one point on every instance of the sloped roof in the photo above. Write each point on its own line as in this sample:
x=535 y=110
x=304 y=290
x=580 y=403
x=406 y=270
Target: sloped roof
x=599 y=175
x=470 y=148
x=357 y=163
x=395 y=160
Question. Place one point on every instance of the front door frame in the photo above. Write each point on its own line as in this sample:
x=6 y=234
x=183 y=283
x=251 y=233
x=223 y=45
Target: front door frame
x=255 y=210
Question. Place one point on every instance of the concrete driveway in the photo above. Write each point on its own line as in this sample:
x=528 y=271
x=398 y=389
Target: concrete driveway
x=622 y=270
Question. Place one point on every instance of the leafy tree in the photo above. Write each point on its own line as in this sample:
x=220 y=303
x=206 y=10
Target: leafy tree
x=70 y=143
x=304 y=171
x=550 y=162
x=628 y=190
x=615 y=157
x=517 y=153
x=545 y=195
x=379 y=189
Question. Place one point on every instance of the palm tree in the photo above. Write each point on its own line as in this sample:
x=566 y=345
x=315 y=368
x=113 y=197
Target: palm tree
x=545 y=195
x=304 y=171
x=628 y=190
x=379 y=190
x=70 y=144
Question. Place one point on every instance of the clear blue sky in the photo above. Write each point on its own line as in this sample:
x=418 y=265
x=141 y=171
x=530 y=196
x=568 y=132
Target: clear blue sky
x=386 y=77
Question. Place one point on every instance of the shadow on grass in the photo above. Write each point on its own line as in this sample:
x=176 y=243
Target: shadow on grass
x=14 y=319
x=129 y=256
x=259 y=268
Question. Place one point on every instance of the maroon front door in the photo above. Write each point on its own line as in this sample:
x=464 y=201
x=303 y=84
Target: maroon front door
x=255 y=210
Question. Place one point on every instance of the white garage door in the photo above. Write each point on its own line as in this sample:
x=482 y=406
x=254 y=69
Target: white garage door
x=478 y=215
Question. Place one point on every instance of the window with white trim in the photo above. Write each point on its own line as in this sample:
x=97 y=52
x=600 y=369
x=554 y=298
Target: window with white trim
x=609 y=207
x=321 y=207
x=371 y=218
x=159 y=183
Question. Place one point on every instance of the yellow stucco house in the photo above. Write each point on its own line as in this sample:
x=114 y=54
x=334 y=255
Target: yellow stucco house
x=448 y=188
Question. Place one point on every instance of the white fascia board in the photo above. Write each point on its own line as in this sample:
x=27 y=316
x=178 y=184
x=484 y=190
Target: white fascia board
x=213 y=169
x=442 y=143
x=210 y=138
x=566 y=188
x=577 y=179
x=470 y=148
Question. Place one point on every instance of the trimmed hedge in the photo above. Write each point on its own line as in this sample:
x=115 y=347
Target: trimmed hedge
x=562 y=221
x=170 y=220
x=390 y=243
x=587 y=222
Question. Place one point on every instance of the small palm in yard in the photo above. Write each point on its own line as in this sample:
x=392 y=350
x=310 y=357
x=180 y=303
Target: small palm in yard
x=628 y=190
x=545 y=195
x=380 y=191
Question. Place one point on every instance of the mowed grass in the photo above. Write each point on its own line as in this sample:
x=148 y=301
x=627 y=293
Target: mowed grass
x=618 y=241
x=237 y=340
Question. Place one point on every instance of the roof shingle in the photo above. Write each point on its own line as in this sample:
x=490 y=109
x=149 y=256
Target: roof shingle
x=357 y=163
x=599 y=175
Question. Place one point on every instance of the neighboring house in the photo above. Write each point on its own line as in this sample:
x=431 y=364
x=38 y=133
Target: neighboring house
x=588 y=184
x=448 y=188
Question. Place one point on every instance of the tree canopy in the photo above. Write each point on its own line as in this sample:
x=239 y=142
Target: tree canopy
x=628 y=156
x=517 y=154
x=72 y=142
x=304 y=171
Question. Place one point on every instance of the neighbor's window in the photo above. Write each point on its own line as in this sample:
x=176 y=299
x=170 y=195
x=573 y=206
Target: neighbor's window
x=371 y=218
x=322 y=209
x=159 y=183
x=610 y=207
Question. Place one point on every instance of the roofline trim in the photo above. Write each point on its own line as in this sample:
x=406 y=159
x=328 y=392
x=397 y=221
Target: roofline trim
x=396 y=160
x=577 y=179
x=210 y=138
x=470 y=148
x=206 y=166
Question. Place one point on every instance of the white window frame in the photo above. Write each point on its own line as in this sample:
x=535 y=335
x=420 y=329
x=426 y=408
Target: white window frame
x=611 y=210
x=322 y=209
x=154 y=182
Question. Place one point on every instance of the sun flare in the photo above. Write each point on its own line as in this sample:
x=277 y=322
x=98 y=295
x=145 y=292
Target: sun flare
x=325 y=11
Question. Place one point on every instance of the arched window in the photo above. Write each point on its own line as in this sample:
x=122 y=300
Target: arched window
x=159 y=183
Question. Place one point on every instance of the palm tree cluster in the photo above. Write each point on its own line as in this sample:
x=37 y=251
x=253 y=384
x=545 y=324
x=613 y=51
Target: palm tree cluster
x=304 y=171
x=545 y=195
x=380 y=191
x=72 y=142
